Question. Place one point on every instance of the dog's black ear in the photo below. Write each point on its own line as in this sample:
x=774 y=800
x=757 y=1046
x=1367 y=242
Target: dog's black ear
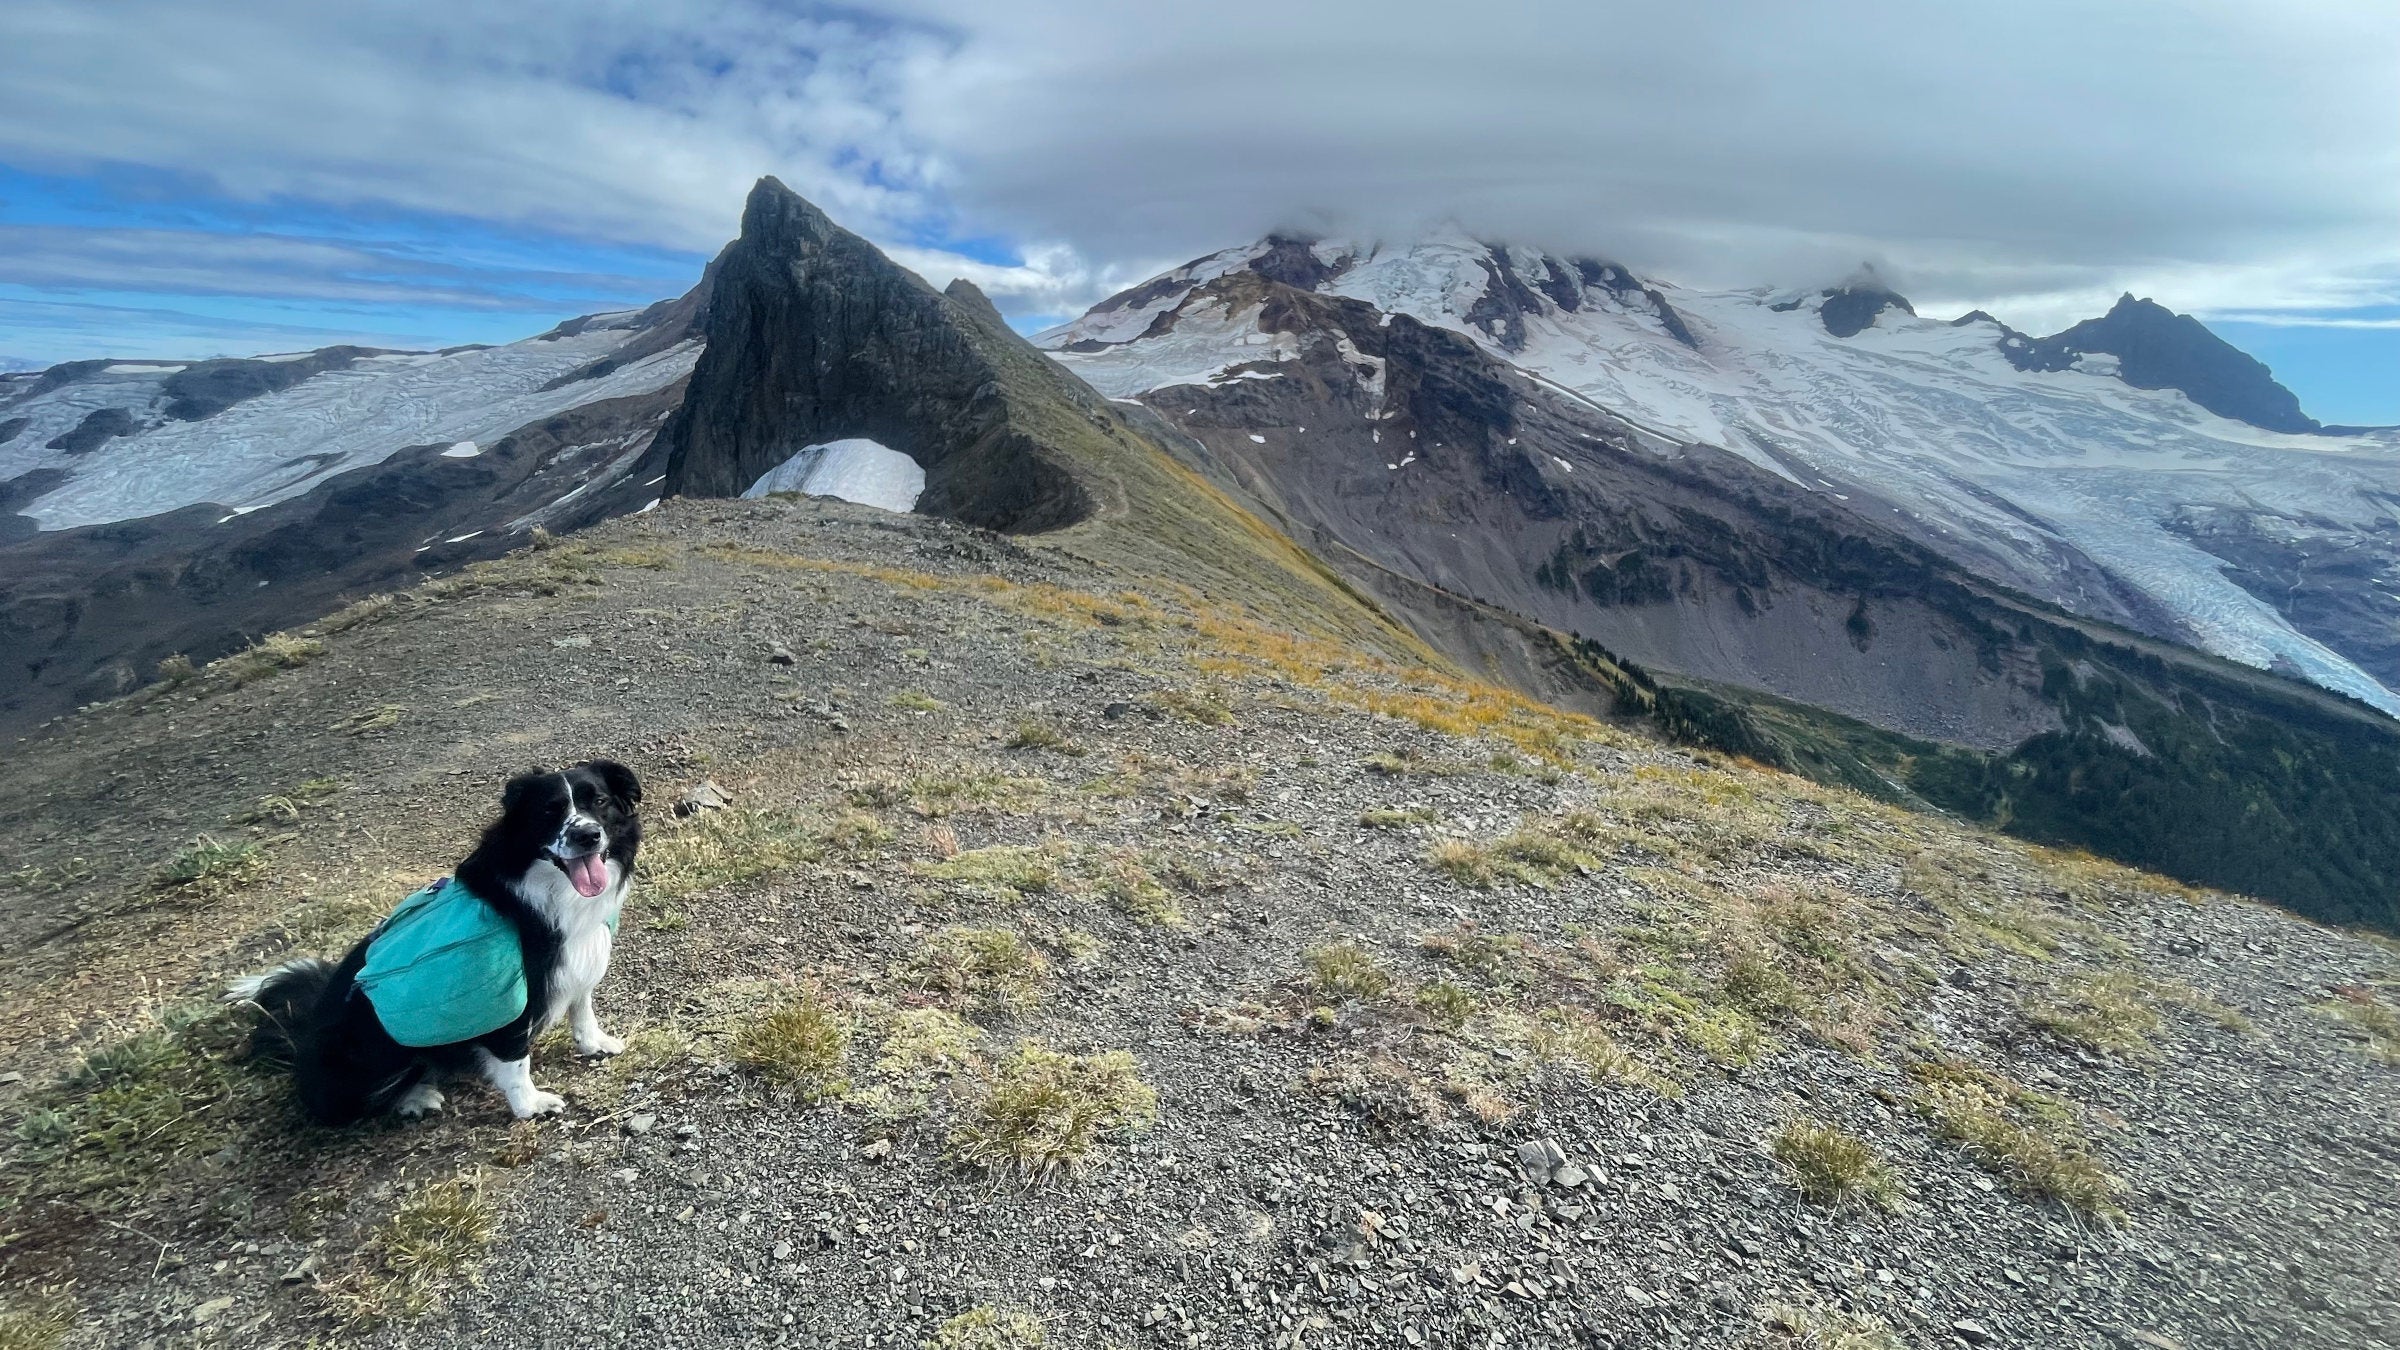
x=619 y=780
x=513 y=795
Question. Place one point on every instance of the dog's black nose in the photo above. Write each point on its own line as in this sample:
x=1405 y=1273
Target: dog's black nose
x=583 y=837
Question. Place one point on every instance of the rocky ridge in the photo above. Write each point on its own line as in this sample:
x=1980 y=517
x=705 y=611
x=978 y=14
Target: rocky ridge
x=1399 y=1099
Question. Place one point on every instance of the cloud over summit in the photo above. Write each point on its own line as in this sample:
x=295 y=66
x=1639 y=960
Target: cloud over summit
x=2032 y=157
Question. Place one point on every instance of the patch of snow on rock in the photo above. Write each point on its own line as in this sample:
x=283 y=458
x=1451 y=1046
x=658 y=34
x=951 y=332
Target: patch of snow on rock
x=855 y=470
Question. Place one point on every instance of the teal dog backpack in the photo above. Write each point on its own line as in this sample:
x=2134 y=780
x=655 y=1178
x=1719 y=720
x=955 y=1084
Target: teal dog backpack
x=445 y=968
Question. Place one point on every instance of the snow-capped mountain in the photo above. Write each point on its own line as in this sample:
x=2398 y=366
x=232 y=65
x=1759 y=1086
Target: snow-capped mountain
x=2044 y=464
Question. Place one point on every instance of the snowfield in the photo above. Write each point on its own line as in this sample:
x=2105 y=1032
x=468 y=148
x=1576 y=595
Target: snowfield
x=1920 y=422
x=278 y=445
x=855 y=470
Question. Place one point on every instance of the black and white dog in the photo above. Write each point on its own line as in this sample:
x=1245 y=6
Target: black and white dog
x=555 y=867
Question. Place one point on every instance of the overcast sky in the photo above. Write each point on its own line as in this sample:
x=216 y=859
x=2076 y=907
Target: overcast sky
x=181 y=179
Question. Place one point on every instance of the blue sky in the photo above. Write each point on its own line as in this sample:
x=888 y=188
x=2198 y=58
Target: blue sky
x=2345 y=375
x=181 y=180
x=127 y=262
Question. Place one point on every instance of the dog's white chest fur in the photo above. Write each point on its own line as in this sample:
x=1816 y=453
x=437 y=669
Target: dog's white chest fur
x=582 y=960
x=584 y=937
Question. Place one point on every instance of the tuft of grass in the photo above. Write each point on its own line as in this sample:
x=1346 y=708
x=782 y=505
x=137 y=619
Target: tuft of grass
x=855 y=833
x=798 y=1045
x=652 y=1054
x=1132 y=887
x=1044 y=1109
x=1390 y=818
x=437 y=1233
x=1723 y=1033
x=934 y=795
x=2375 y=1018
x=359 y=613
x=2111 y=1011
x=1572 y=1036
x=1537 y=854
x=1004 y=869
x=1033 y=735
x=176 y=670
x=1448 y=1005
x=58 y=876
x=209 y=868
x=1754 y=983
x=1832 y=1166
x=272 y=653
x=1406 y=760
x=367 y=721
x=38 y=1321
x=915 y=700
x=984 y=1327
x=1507 y=958
x=1345 y=971
x=720 y=848
x=923 y=1041
x=2025 y=1137
x=1821 y=1328
x=1969 y=891
x=1191 y=705
x=990 y=970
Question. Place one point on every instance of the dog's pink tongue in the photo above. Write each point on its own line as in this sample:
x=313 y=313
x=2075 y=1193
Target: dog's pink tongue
x=589 y=873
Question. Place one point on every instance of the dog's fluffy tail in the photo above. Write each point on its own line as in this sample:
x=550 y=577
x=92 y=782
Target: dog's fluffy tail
x=284 y=997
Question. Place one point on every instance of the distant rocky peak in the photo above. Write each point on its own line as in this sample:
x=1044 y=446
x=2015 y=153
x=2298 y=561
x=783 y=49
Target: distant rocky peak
x=970 y=297
x=1852 y=307
x=814 y=336
x=2156 y=348
x=1305 y=263
x=1508 y=284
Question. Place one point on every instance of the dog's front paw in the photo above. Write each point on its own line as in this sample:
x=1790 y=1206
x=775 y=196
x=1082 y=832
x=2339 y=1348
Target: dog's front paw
x=599 y=1044
x=538 y=1104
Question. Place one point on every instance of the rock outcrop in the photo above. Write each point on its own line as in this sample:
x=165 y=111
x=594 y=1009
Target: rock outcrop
x=814 y=336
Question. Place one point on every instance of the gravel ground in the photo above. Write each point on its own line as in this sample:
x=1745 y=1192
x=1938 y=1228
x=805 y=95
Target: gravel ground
x=1322 y=1170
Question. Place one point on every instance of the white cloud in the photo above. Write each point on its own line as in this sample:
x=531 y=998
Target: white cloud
x=608 y=119
x=59 y=330
x=2036 y=153
x=2034 y=157
x=268 y=266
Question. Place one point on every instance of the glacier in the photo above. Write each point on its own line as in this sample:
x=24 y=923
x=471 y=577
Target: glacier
x=278 y=445
x=1922 y=423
